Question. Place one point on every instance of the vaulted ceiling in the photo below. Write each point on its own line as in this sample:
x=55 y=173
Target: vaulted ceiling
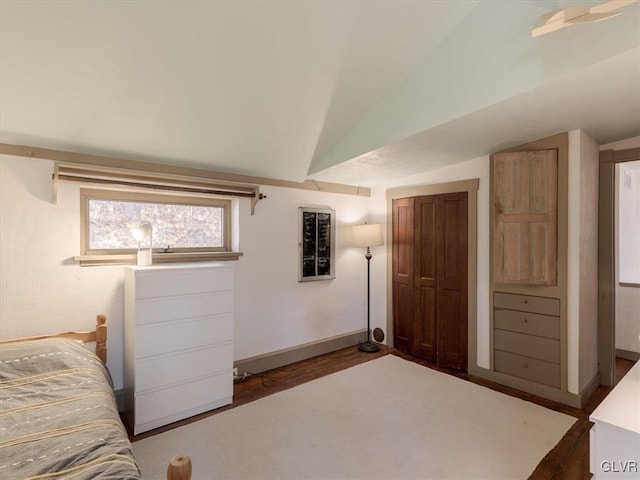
x=357 y=92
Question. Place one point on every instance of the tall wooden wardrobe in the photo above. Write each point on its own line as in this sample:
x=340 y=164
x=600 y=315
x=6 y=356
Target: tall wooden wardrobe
x=429 y=277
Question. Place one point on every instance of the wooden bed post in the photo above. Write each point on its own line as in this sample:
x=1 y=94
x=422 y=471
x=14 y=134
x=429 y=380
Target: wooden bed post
x=101 y=338
x=179 y=468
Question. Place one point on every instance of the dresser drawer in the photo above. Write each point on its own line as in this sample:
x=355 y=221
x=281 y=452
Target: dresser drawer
x=155 y=372
x=179 y=398
x=527 y=303
x=162 y=283
x=529 y=323
x=159 y=338
x=527 y=345
x=183 y=307
x=538 y=371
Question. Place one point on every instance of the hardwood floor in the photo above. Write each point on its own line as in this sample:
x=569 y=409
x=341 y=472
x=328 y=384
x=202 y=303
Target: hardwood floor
x=568 y=460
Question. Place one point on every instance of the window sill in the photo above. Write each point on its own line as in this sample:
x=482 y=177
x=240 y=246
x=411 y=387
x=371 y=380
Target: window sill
x=130 y=258
x=629 y=284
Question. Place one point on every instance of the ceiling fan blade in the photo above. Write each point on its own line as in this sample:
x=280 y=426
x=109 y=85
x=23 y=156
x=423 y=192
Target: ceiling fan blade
x=610 y=6
x=593 y=17
x=558 y=19
x=574 y=12
x=564 y=15
x=548 y=28
x=547 y=16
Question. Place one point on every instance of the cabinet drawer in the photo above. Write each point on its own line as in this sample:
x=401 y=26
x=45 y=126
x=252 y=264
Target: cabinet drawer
x=529 y=323
x=179 y=398
x=181 y=308
x=157 y=372
x=527 y=303
x=162 y=283
x=159 y=338
x=527 y=345
x=538 y=371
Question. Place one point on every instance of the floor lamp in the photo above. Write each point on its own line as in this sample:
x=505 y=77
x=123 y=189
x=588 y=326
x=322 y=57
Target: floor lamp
x=367 y=235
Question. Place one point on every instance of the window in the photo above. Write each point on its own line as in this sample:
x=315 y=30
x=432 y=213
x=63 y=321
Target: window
x=184 y=228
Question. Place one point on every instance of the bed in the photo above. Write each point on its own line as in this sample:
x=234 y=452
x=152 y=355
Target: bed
x=58 y=415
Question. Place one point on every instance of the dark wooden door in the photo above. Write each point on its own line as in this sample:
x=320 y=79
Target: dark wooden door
x=425 y=247
x=402 y=273
x=430 y=278
x=451 y=302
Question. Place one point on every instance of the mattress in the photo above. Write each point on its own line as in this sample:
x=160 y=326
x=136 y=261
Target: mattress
x=58 y=415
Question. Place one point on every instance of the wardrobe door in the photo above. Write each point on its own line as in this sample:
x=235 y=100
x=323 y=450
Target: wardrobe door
x=426 y=240
x=451 y=310
x=402 y=273
x=429 y=275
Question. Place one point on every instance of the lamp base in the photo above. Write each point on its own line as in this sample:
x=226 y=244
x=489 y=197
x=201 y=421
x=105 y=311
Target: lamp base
x=144 y=258
x=368 y=347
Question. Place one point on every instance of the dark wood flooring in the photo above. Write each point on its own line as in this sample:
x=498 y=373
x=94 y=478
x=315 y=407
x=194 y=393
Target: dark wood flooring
x=568 y=460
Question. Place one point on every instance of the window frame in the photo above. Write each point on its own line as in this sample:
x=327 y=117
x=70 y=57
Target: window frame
x=160 y=255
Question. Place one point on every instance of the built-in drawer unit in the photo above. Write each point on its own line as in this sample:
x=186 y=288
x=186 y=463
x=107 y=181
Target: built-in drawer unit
x=527 y=303
x=178 y=342
x=528 y=323
x=526 y=337
x=528 y=368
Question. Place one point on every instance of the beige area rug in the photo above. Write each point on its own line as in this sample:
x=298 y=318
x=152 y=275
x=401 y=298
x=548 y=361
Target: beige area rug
x=385 y=419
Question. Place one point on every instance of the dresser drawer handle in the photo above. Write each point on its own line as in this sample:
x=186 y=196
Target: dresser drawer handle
x=524 y=365
x=525 y=320
x=524 y=300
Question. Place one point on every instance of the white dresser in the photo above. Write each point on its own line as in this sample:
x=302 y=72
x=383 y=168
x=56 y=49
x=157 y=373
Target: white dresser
x=614 y=440
x=178 y=342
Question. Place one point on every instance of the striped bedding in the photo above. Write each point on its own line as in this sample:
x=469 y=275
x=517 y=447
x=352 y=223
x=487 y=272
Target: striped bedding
x=58 y=416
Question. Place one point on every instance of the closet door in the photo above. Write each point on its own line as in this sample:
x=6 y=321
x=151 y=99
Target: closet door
x=452 y=281
x=402 y=273
x=426 y=245
x=430 y=278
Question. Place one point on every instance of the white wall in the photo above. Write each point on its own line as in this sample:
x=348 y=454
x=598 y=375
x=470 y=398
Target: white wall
x=43 y=291
x=476 y=168
x=273 y=310
x=588 y=261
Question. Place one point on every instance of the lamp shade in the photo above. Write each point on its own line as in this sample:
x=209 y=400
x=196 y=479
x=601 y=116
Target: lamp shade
x=367 y=235
x=141 y=231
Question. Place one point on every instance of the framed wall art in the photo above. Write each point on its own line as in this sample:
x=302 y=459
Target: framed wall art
x=317 y=243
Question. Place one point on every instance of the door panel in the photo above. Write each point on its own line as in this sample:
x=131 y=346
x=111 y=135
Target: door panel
x=525 y=234
x=402 y=272
x=426 y=243
x=452 y=283
x=449 y=325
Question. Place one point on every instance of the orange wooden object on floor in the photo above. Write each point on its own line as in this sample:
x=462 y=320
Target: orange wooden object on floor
x=179 y=468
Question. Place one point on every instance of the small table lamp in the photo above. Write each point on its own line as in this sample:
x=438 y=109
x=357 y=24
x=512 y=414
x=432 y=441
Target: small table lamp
x=141 y=232
x=367 y=235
